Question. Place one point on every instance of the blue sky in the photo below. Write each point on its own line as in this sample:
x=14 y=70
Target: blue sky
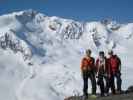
x=82 y=10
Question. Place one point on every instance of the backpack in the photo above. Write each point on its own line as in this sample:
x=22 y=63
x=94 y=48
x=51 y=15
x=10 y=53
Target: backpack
x=87 y=63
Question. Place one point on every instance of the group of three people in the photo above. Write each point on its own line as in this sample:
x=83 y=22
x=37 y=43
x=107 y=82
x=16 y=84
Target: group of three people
x=104 y=69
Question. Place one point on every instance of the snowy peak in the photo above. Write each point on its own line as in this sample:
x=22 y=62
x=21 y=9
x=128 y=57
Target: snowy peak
x=26 y=16
x=113 y=25
x=40 y=31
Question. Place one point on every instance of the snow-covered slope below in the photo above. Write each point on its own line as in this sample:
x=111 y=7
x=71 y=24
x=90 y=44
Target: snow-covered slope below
x=40 y=55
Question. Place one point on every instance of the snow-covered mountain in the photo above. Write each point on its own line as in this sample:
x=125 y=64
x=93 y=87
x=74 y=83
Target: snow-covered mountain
x=40 y=55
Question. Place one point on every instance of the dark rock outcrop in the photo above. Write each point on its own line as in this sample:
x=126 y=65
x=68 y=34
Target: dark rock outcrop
x=130 y=89
x=127 y=95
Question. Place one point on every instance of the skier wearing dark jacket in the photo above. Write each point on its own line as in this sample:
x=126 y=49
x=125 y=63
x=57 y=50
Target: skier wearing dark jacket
x=114 y=63
x=87 y=70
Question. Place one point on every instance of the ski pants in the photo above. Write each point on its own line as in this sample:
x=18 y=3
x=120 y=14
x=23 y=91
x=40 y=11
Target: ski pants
x=101 y=84
x=110 y=84
x=89 y=75
x=117 y=75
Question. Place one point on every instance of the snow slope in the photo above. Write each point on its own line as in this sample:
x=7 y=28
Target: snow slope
x=40 y=55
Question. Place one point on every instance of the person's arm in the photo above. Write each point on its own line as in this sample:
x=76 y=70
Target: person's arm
x=108 y=68
x=97 y=68
x=104 y=67
x=119 y=63
x=93 y=64
x=81 y=65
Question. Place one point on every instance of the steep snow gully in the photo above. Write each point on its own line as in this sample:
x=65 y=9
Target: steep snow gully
x=40 y=55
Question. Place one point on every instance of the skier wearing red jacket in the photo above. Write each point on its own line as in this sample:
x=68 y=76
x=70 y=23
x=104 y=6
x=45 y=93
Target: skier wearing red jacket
x=104 y=73
x=114 y=64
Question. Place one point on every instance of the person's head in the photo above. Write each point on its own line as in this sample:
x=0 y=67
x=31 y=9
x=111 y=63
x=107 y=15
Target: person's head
x=101 y=54
x=88 y=52
x=110 y=52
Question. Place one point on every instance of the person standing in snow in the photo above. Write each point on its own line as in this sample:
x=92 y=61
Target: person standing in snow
x=101 y=66
x=114 y=63
x=88 y=71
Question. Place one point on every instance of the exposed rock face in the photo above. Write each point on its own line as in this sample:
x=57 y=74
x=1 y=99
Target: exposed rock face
x=126 y=95
x=130 y=89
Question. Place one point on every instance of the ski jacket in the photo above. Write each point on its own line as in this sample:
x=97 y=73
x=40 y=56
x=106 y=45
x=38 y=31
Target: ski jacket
x=87 y=63
x=102 y=66
x=115 y=63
